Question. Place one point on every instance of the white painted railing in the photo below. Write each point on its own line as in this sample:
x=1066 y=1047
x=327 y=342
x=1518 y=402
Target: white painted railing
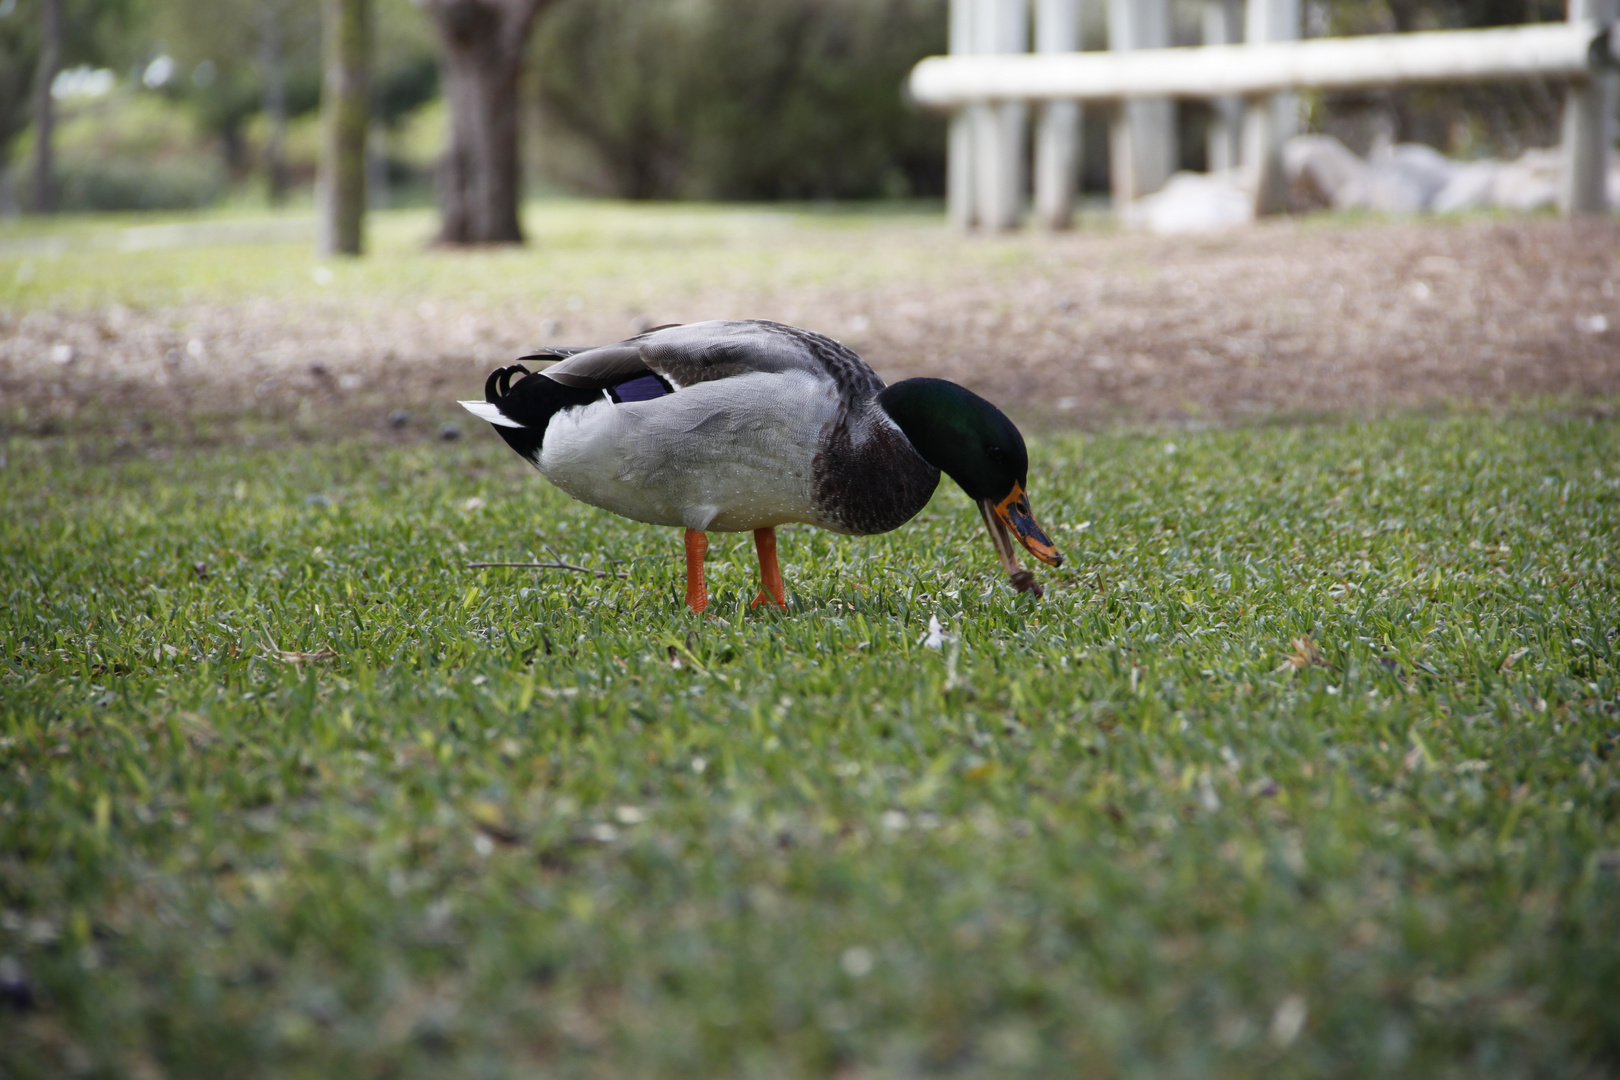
x=1581 y=51
x=1552 y=50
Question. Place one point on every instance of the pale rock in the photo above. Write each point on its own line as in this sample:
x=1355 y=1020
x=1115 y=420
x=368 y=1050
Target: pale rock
x=1193 y=203
x=1406 y=178
x=1472 y=187
x=1530 y=182
x=1322 y=172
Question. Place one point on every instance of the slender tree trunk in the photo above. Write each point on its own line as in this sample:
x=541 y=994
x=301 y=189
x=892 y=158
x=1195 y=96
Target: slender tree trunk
x=481 y=49
x=378 y=194
x=8 y=196
x=275 y=104
x=50 y=62
x=341 y=191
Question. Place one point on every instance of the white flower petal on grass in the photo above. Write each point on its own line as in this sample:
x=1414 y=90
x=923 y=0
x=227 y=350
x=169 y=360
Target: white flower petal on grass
x=935 y=638
x=1289 y=1020
x=857 y=961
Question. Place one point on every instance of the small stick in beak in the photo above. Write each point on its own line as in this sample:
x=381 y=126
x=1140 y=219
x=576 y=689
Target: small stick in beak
x=1021 y=579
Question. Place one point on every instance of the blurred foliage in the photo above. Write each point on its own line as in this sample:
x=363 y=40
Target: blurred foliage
x=1339 y=17
x=739 y=99
x=1477 y=120
x=134 y=151
x=94 y=32
x=185 y=183
x=219 y=50
x=219 y=47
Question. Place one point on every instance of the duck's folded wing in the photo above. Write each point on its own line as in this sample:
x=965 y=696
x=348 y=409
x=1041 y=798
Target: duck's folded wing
x=706 y=351
x=669 y=358
x=594 y=369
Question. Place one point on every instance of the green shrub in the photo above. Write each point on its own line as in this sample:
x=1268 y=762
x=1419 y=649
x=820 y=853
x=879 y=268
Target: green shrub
x=745 y=99
x=134 y=150
x=181 y=183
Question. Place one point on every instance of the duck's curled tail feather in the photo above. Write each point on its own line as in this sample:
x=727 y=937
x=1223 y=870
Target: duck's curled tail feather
x=520 y=410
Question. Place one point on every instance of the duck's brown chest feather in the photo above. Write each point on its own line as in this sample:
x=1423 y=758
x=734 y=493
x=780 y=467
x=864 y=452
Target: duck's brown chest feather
x=867 y=478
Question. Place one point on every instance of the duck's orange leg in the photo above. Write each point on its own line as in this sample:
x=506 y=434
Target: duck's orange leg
x=697 y=593
x=770 y=574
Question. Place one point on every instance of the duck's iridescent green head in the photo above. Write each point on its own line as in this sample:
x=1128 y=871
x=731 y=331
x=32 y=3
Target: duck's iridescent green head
x=973 y=442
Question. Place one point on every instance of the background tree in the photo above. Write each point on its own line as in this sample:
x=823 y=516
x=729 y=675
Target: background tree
x=19 y=55
x=481 y=46
x=46 y=68
x=806 y=104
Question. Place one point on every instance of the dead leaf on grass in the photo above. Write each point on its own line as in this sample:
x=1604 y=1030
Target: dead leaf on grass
x=199 y=732
x=1305 y=654
x=490 y=820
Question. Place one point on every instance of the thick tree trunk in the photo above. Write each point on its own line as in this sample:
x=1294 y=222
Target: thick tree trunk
x=481 y=49
x=341 y=191
x=50 y=62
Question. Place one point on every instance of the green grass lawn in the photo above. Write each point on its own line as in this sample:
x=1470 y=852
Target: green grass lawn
x=608 y=252
x=1305 y=766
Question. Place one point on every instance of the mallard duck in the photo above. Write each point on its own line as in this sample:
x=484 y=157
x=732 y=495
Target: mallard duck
x=738 y=426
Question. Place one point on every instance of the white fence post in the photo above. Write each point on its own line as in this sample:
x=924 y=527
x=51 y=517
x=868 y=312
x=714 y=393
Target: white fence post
x=1057 y=132
x=1142 y=135
x=1589 y=109
x=1223 y=25
x=1000 y=138
x=960 y=202
x=1271 y=120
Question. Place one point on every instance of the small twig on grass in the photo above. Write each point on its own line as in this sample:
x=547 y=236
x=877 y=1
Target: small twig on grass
x=544 y=566
x=287 y=657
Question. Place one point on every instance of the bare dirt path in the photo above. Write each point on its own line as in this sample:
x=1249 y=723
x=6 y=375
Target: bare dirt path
x=1303 y=317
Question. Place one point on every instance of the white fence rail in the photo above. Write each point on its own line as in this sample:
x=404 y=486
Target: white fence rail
x=989 y=82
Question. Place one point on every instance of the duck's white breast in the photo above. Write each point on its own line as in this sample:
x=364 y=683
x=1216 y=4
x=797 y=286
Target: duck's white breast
x=727 y=456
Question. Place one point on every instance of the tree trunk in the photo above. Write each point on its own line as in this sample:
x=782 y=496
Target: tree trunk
x=481 y=55
x=341 y=191
x=275 y=103
x=8 y=197
x=50 y=62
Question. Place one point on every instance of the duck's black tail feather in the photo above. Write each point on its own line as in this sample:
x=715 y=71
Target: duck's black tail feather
x=529 y=401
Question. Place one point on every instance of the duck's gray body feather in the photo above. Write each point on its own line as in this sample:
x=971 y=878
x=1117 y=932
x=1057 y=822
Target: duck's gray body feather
x=767 y=424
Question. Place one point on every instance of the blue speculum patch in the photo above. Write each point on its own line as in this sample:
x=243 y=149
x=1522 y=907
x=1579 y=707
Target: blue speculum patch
x=641 y=388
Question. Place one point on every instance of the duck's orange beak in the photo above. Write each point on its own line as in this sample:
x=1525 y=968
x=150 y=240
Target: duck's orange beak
x=1013 y=514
